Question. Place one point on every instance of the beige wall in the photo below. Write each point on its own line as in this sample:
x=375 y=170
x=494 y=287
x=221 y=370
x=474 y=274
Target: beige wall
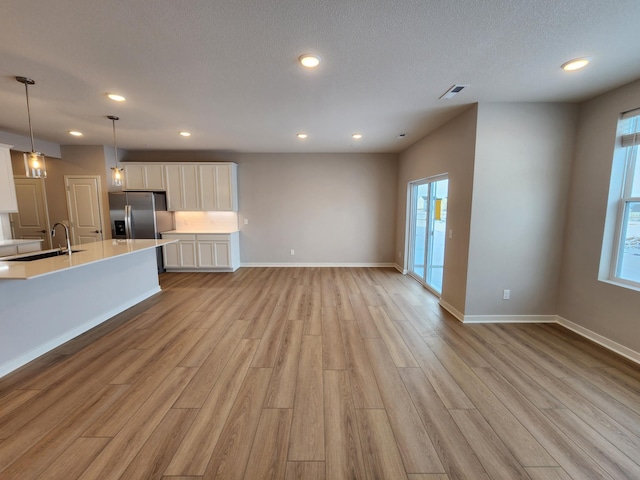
x=606 y=309
x=328 y=208
x=508 y=167
x=450 y=149
x=76 y=160
x=520 y=188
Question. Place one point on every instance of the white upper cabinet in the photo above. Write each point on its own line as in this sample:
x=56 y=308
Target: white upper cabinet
x=189 y=186
x=201 y=186
x=144 y=177
x=182 y=187
x=217 y=187
x=8 y=201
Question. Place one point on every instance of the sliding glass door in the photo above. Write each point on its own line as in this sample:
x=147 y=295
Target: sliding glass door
x=428 y=221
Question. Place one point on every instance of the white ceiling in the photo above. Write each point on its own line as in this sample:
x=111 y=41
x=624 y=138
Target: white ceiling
x=227 y=71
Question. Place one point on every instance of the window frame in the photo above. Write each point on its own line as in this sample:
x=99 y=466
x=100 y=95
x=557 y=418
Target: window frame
x=631 y=152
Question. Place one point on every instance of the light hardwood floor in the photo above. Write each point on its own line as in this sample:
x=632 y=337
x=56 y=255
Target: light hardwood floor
x=318 y=373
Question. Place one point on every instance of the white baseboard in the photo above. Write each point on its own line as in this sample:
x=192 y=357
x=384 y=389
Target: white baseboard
x=297 y=265
x=25 y=358
x=509 y=319
x=451 y=309
x=594 y=337
x=401 y=270
x=600 y=340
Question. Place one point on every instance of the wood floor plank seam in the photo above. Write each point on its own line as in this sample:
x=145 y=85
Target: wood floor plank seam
x=335 y=392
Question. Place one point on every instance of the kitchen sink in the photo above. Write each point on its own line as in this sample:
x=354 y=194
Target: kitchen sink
x=40 y=256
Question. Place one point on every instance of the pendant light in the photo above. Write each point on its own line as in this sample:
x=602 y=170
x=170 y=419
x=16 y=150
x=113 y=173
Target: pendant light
x=117 y=173
x=33 y=161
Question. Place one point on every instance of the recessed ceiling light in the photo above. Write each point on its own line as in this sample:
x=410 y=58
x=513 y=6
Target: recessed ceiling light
x=75 y=133
x=115 y=97
x=302 y=135
x=356 y=136
x=185 y=134
x=309 y=60
x=575 y=64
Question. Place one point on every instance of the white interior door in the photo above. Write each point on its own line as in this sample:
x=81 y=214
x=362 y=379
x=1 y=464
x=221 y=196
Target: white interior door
x=32 y=219
x=85 y=210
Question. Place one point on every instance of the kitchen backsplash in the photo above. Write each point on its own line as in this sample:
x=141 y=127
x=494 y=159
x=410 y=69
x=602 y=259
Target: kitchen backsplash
x=206 y=220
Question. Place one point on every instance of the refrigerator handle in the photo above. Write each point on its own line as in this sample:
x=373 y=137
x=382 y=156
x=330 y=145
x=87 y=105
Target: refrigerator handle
x=127 y=220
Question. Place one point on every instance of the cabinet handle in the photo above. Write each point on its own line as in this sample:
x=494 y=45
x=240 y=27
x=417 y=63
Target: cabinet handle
x=96 y=231
x=43 y=231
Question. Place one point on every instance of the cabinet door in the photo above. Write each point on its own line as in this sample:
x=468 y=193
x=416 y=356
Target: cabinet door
x=134 y=177
x=8 y=201
x=217 y=187
x=182 y=187
x=173 y=183
x=171 y=255
x=187 y=254
x=207 y=187
x=225 y=188
x=30 y=247
x=222 y=254
x=154 y=177
x=206 y=254
x=189 y=174
x=8 y=250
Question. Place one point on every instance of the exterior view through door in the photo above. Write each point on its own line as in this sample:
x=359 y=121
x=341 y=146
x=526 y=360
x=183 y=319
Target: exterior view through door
x=427 y=230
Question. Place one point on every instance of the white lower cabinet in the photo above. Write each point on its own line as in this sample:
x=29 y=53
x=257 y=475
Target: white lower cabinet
x=22 y=247
x=206 y=252
x=181 y=254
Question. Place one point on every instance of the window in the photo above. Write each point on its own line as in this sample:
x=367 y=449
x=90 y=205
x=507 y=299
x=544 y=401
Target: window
x=627 y=253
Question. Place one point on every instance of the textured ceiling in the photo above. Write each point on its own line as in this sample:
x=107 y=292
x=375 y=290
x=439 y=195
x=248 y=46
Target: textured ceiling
x=227 y=71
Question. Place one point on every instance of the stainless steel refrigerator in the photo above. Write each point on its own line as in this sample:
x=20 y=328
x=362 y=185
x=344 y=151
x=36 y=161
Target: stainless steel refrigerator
x=140 y=215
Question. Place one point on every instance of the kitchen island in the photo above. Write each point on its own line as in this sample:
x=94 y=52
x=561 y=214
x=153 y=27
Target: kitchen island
x=44 y=303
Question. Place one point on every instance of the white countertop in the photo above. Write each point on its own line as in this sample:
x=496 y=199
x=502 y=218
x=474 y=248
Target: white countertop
x=9 y=243
x=196 y=231
x=91 y=253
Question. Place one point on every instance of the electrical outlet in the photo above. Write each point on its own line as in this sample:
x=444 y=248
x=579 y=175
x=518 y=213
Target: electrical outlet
x=293 y=252
x=450 y=233
x=246 y=221
x=506 y=294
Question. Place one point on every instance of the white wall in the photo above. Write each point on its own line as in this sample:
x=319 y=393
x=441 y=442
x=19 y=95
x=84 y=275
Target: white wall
x=450 y=149
x=605 y=309
x=520 y=189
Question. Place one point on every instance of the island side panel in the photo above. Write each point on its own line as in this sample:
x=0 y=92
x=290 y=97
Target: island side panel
x=39 y=314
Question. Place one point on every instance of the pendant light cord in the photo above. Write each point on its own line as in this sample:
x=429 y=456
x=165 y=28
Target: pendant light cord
x=26 y=89
x=115 y=148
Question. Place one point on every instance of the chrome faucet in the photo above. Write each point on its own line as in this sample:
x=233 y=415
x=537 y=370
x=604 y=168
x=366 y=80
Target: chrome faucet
x=66 y=234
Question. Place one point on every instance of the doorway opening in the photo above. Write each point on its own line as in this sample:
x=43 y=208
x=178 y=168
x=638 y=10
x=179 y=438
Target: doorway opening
x=428 y=230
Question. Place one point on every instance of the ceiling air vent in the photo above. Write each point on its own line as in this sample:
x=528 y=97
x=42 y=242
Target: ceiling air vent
x=453 y=90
